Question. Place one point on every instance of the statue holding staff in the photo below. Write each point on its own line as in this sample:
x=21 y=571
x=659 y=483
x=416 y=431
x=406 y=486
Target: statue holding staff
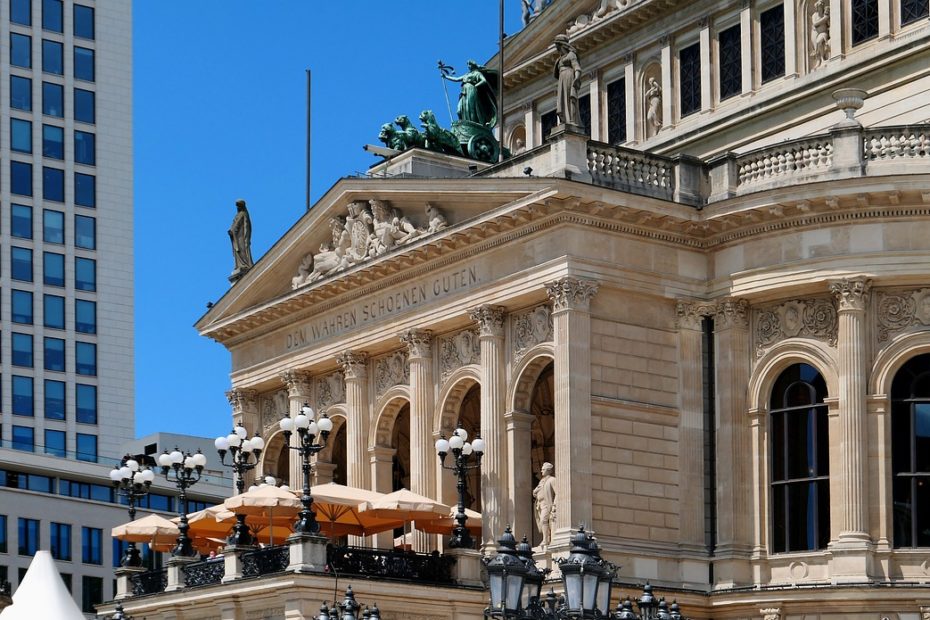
x=478 y=99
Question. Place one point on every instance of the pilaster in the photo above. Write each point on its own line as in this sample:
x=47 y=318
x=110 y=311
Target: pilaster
x=355 y=366
x=629 y=85
x=837 y=19
x=746 y=51
x=668 y=97
x=595 y=91
x=382 y=461
x=791 y=39
x=298 y=387
x=519 y=440
x=707 y=76
x=419 y=343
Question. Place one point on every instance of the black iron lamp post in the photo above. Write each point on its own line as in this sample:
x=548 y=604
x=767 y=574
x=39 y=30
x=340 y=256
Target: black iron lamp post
x=467 y=456
x=312 y=435
x=186 y=469
x=132 y=481
x=348 y=609
x=241 y=450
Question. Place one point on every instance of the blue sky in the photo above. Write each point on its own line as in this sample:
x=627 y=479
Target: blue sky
x=219 y=109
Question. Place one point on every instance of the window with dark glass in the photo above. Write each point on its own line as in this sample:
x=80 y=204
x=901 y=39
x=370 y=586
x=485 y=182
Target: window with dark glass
x=85 y=316
x=54 y=310
x=864 y=20
x=84 y=106
x=772 y=42
x=21 y=178
x=83 y=64
x=85 y=358
x=85 y=232
x=86 y=449
x=689 y=79
x=910 y=452
x=52 y=15
x=52 y=61
x=55 y=360
x=91 y=545
x=548 y=121
x=23 y=438
x=85 y=397
x=85 y=274
x=3 y=538
x=91 y=593
x=21 y=12
x=83 y=21
x=731 y=62
x=53 y=226
x=20 y=135
x=23 y=396
x=53 y=269
x=55 y=399
x=913 y=10
x=85 y=490
x=584 y=113
x=53 y=184
x=21 y=221
x=28 y=536
x=800 y=461
x=53 y=141
x=85 y=151
x=22 y=350
x=61 y=540
x=85 y=190
x=21 y=264
x=53 y=103
x=20 y=93
x=20 y=50
x=616 y=112
x=55 y=443
x=21 y=302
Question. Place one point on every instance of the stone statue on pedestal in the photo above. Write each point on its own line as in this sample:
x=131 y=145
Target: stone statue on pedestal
x=240 y=234
x=568 y=73
x=544 y=497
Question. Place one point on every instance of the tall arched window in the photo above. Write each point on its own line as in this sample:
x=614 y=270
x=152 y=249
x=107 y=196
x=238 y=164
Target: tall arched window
x=910 y=452
x=800 y=461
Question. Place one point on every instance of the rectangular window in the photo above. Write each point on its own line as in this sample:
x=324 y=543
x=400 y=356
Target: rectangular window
x=84 y=490
x=85 y=274
x=85 y=232
x=53 y=268
x=21 y=264
x=3 y=538
x=53 y=103
x=84 y=106
x=52 y=61
x=54 y=360
x=85 y=316
x=616 y=112
x=913 y=10
x=22 y=350
x=85 y=151
x=20 y=135
x=21 y=12
x=689 y=79
x=86 y=449
x=54 y=310
x=83 y=22
x=91 y=545
x=22 y=307
x=53 y=226
x=20 y=50
x=52 y=15
x=772 y=42
x=53 y=184
x=54 y=398
x=91 y=593
x=20 y=93
x=61 y=541
x=21 y=221
x=22 y=396
x=21 y=178
x=731 y=62
x=83 y=64
x=53 y=141
x=85 y=397
x=85 y=358
x=864 y=20
x=24 y=438
x=55 y=443
x=28 y=536
x=548 y=121
x=85 y=190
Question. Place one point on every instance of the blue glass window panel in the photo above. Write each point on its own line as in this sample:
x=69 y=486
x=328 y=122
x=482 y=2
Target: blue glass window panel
x=21 y=264
x=87 y=451
x=85 y=399
x=20 y=135
x=23 y=439
x=83 y=64
x=53 y=226
x=21 y=302
x=20 y=93
x=21 y=178
x=83 y=21
x=55 y=360
x=53 y=267
x=52 y=61
x=91 y=541
x=85 y=190
x=85 y=274
x=85 y=150
x=53 y=103
x=84 y=106
x=22 y=350
x=54 y=399
x=3 y=536
x=54 y=310
x=52 y=15
x=21 y=12
x=28 y=529
x=85 y=232
x=85 y=316
x=85 y=358
x=20 y=50
x=23 y=396
x=55 y=443
x=53 y=141
x=21 y=221
x=60 y=532
x=53 y=184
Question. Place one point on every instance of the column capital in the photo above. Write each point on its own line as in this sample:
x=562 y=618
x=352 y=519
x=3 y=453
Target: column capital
x=689 y=313
x=732 y=312
x=419 y=343
x=571 y=293
x=354 y=364
x=240 y=399
x=852 y=294
x=490 y=320
x=297 y=383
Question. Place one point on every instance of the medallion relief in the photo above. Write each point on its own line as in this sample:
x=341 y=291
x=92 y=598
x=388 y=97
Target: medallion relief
x=331 y=390
x=457 y=350
x=391 y=370
x=899 y=310
x=530 y=329
x=799 y=318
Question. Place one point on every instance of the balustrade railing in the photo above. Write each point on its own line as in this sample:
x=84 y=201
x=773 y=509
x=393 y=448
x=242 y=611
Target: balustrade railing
x=149 y=582
x=899 y=142
x=809 y=155
x=266 y=561
x=204 y=573
x=389 y=564
x=627 y=168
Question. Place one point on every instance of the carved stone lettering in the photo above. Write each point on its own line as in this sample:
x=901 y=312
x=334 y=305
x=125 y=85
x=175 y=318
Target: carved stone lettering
x=898 y=310
x=530 y=329
x=391 y=370
x=457 y=350
x=804 y=318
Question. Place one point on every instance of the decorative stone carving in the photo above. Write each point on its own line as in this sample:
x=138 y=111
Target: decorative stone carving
x=297 y=383
x=852 y=294
x=274 y=613
x=391 y=370
x=490 y=320
x=771 y=613
x=240 y=400
x=274 y=406
x=805 y=318
x=331 y=389
x=820 y=33
x=603 y=10
x=435 y=219
x=530 y=329
x=571 y=293
x=902 y=309
x=690 y=314
x=732 y=312
x=457 y=350
x=354 y=365
x=924 y=613
x=419 y=342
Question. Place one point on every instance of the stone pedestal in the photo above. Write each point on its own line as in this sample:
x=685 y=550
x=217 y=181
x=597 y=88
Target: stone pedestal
x=176 y=576
x=569 y=154
x=232 y=558
x=308 y=553
x=124 y=581
x=848 y=156
x=467 y=571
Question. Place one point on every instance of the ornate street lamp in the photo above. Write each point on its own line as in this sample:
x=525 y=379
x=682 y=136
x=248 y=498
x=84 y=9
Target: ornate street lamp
x=307 y=430
x=507 y=574
x=348 y=609
x=584 y=573
x=241 y=451
x=132 y=481
x=467 y=456
x=186 y=468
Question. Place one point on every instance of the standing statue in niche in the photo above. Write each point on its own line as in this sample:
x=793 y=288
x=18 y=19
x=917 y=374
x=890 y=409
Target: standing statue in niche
x=544 y=496
x=820 y=32
x=653 y=108
x=240 y=234
x=568 y=73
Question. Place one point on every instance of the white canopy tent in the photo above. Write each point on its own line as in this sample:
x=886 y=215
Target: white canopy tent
x=42 y=594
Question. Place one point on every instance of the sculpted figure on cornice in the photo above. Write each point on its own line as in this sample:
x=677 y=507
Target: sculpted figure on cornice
x=457 y=350
x=530 y=329
x=391 y=370
x=331 y=389
x=604 y=9
x=805 y=318
x=898 y=310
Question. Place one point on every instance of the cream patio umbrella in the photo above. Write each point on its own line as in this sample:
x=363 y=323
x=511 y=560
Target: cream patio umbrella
x=443 y=525
x=160 y=533
x=266 y=502
x=338 y=511
x=405 y=505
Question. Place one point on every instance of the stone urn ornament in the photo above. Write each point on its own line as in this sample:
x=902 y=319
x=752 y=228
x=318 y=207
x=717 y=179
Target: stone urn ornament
x=849 y=100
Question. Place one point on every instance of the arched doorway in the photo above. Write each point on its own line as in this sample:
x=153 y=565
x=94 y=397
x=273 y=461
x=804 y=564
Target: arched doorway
x=400 y=442
x=332 y=461
x=470 y=420
x=542 y=431
x=276 y=459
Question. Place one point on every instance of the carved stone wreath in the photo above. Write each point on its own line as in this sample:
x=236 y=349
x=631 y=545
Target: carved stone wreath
x=899 y=310
x=331 y=389
x=457 y=350
x=531 y=328
x=391 y=370
x=805 y=318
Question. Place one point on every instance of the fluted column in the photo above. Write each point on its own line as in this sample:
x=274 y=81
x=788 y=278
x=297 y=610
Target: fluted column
x=519 y=426
x=490 y=320
x=571 y=330
x=298 y=392
x=355 y=366
x=245 y=412
x=423 y=457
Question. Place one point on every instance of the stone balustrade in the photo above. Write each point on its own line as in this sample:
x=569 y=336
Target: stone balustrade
x=794 y=159
x=631 y=170
x=902 y=142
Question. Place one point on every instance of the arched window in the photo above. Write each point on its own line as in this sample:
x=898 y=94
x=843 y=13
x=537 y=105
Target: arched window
x=910 y=452
x=800 y=461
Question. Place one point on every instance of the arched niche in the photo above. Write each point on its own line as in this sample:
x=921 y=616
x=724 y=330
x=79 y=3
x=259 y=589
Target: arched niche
x=650 y=98
x=517 y=141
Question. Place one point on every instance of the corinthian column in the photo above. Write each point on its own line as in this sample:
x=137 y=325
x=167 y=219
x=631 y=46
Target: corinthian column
x=298 y=393
x=571 y=331
x=355 y=367
x=490 y=320
x=423 y=458
x=245 y=412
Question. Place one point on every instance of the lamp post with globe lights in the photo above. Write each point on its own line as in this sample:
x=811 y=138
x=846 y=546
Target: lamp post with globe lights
x=312 y=435
x=186 y=469
x=467 y=456
x=132 y=481
x=242 y=451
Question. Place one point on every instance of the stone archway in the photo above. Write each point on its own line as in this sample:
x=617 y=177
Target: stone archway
x=275 y=459
x=332 y=462
x=542 y=431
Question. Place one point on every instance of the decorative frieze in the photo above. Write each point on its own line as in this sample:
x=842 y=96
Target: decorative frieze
x=419 y=342
x=490 y=320
x=457 y=350
x=898 y=310
x=531 y=328
x=852 y=294
x=331 y=389
x=803 y=318
x=732 y=312
x=391 y=370
x=571 y=293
